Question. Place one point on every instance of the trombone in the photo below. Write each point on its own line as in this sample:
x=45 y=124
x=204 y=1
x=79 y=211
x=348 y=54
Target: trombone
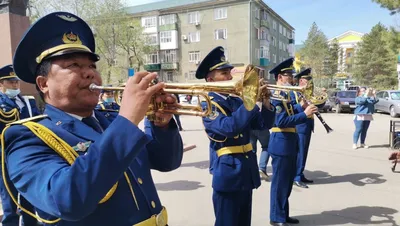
x=247 y=88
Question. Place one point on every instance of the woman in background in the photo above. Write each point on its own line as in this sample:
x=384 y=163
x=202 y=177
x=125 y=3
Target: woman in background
x=365 y=102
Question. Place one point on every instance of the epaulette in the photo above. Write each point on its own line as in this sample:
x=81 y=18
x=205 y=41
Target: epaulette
x=204 y=99
x=34 y=118
x=110 y=110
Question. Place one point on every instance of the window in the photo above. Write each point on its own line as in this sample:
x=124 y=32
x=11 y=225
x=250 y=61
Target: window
x=167 y=19
x=152 y=58
x=152 y=39
x=264 y=52
x=257 y=13
x=274 y=25
x=280 y=28
x=264 y=15
x=193 y=17
x=220 y=13
x=395 y=95
x=148 y=22
x=194 y=36
x=191 y=75
x=165 y=36
x=257 y=34
x=169 y=76
x=220 y=34
x=274 y=58
x=169 y=56
x=194 y=56
x=273 y=41
x=263 y=34
x=284 y=31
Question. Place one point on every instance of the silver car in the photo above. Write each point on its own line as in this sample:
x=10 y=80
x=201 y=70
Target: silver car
x=389 y=101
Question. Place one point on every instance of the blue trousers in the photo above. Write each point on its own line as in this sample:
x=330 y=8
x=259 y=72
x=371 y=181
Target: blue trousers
x=263 y=137
x=284 y=168
x=361 y=130
x=304 y=144
x=10 y=216
x=232 y=208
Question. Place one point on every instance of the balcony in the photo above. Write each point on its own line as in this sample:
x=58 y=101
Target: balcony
x=169 y=66
x=264 y=62
x=265 y=23
x=168 y=27
x=152 y=67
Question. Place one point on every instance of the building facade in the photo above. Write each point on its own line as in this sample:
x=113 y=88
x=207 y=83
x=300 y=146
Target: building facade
x=348 y=42
x=183 y=32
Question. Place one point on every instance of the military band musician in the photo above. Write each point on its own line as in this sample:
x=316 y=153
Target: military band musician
x=283 y=146
x=233 y=164
x=75 y=165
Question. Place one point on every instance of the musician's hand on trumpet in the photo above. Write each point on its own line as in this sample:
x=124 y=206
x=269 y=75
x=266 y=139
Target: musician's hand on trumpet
x=163 y=118
x=265 y=94
x=137 y=96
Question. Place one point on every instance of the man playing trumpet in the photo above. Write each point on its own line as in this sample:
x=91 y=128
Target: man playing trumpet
x=76 y=166
x=304 y=130
x=283 y=146
x=232 y=162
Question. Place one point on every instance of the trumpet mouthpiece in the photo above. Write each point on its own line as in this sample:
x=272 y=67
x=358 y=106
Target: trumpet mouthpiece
x=93 y=87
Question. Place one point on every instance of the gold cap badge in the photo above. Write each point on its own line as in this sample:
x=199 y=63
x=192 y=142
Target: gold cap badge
x=71 y=38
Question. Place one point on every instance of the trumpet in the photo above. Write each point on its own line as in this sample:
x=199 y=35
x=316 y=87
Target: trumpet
x=246 y=88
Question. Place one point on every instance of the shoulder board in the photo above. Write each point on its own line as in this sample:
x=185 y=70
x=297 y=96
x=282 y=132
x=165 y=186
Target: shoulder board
x=35 y=119
x=111 y=110
x=204 y=100
x=99 y=102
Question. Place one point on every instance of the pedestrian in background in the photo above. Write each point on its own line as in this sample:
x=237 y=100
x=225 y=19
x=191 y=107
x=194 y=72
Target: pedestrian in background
x=365 y=102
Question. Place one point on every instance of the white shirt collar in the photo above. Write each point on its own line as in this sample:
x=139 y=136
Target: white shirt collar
x=80 y=117
x=223 y=96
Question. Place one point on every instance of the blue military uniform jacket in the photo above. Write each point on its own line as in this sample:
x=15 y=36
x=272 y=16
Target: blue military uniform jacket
x=109 y=110
x=73 y=192
x=288 y=116
x=230 y=126
x=7 y=105
x=308 y=126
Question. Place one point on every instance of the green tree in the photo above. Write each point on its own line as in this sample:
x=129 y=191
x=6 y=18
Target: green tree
x=374 y=64
x=332 y=59
x=315 y=52
x=392 y=5
x=119 y=37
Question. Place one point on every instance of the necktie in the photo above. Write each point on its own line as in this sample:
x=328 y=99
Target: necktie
x=92 y=122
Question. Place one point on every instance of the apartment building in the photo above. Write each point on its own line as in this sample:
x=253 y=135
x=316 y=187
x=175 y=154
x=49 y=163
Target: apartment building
x=184 y=31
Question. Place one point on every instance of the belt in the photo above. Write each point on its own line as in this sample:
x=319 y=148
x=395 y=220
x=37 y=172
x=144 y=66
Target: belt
x=283 y=130
x=160 y=219
x=234 y=149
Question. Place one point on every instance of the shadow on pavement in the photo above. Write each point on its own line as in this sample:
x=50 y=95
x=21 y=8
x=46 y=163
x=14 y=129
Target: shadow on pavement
x=358 y=179
x=360 y=215
x=179 y=185
x=200 y=165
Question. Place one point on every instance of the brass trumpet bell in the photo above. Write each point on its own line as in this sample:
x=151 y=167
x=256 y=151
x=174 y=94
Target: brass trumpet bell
x=246 y=88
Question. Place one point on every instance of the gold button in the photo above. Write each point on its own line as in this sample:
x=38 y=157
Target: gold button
x=247 y=157
x=140 y=180
x=153 y=204
x=241 y=135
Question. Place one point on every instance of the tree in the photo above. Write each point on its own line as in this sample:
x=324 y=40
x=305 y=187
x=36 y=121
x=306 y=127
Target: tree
x=392 y=5
x=119 y=37
x=315 y=51
x=374 y=64
x=332 y=60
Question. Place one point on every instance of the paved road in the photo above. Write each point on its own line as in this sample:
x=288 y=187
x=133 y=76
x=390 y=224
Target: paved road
x=352 y=187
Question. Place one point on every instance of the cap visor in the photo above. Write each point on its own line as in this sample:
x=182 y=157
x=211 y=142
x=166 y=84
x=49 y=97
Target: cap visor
x=74 y=50
x=224 y=66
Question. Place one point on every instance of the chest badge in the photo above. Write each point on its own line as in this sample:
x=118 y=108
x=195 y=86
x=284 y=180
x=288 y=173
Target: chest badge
x=82 y=146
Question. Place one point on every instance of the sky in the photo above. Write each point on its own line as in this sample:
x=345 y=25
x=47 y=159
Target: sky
x=333 y=17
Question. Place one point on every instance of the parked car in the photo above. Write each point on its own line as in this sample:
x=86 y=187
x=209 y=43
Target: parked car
x=343 y=101
x=389 y=101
